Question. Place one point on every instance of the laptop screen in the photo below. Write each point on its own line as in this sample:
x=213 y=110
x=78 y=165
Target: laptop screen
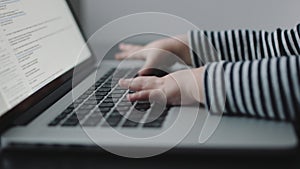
x=39 y=41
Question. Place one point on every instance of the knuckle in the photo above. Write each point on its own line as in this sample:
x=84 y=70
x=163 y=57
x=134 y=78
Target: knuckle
x=139 y=80
x=159 y=81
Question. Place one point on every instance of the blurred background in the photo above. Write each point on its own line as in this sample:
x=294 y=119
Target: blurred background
x=205 y=14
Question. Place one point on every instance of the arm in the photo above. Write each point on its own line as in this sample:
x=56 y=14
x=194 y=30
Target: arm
x=267 y=88
x=238 y=45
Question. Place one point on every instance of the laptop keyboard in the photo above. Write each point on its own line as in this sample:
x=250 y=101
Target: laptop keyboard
x=105 y=104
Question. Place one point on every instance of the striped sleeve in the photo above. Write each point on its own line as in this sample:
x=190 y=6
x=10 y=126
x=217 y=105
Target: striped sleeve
x=250 y=73
x=265 y=88
x=239 y=45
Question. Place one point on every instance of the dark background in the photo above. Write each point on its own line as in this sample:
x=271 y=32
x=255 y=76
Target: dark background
x=77 y=158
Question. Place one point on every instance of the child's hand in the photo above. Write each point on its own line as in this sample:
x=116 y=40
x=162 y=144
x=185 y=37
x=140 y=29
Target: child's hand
x=157 y=53
x=182 y=87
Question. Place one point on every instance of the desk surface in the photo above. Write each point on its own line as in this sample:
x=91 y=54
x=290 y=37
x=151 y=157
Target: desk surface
x=67 y=159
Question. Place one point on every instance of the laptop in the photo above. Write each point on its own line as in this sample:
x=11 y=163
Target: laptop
x=50 y=97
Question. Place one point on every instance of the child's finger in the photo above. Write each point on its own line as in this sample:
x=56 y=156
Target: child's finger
x=124 y=83
x=148 y=95
x=129 y=47
x=124 y=46
x=121 y=55
x=128 y=55
x=139 y=83
x=139 y=96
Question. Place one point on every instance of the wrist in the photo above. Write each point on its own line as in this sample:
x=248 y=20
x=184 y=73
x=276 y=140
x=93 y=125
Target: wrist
x=177 y=45
x=181 y=48
x=198 y=93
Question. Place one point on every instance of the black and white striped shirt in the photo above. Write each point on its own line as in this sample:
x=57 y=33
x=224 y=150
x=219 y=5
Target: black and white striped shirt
x=251 y=73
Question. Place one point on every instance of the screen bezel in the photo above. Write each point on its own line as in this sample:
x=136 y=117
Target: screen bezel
x=49 y=94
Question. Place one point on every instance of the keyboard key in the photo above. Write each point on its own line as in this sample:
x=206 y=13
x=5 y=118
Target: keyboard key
x=112 y=121
x=55 y=122
x=61 y=116
x=153 y=125
x=101 y=80
x=115 y=96
x=76 y=116
x=108 y=97
x=116 y=113
x=108 y=100
x=108 y=105
x=125 y=100
x=136 y=116
x=98 y=84
x=123 y=108
x=105 y=110
x=125 y=104
x=78 y=101
x=92 y=88
x=67 y=111
x=119 y=91
x=98 y=93
x=82 y=112
x=99 y=97
x=58 y=119
x=96 y=112
x=88 y=92
x=120 y=73
x=71 y=121
x=71 y=106
x=93 y=100
x=108 y=85
x=115 y=81
x=76 y=105
x=129 y=123
x=104 y=89
x=86 y=107
x=90 y=102
x=120 y=88
x=142 y=106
